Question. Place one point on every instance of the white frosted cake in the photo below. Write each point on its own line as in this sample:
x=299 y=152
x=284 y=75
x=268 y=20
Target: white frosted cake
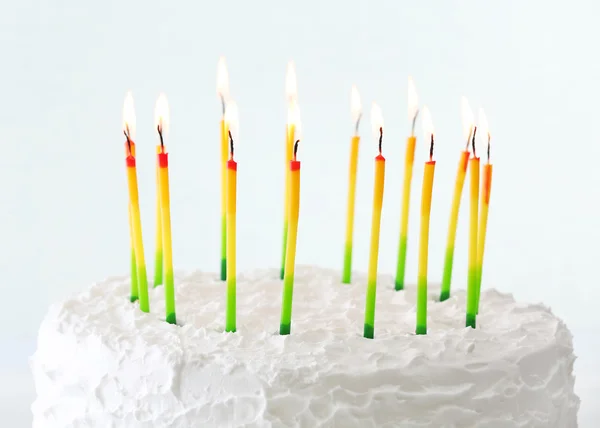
x=101 y=362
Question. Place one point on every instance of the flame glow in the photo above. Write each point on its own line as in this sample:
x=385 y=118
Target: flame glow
x=376 y=120
x=467 y=118
x=129 y=116
x=413 y=100
x=427 y=124
x=291 y=86
x=294 y=119
x=483 y=129
x=355 y=105
x=232 y=120
x=161 y=114
x=222 y=79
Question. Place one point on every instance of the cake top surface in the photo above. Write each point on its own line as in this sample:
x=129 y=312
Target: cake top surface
x=327 y=322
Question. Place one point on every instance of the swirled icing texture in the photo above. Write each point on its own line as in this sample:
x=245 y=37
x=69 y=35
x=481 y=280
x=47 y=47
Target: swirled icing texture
x=100 y=362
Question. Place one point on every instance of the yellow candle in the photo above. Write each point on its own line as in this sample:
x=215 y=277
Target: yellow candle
x=486 y=189
x=231 y=116
x=158 y=259
x=223 y=94
x=413 y=109
x=130 y=149
x=369 y=326
x=291 y=92
x=162 y=124
x=356 y=110
x=428 y=174
x=472 y=271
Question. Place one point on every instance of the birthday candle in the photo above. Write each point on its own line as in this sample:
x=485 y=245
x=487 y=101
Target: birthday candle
x=474 y=212
x=158 y=257
x=413 y=110
x=285 y=325
x=161 y=115
x=134 y=282
x=467 y=119
x=291 y=91
x=231 y=119
x=356 y=110
x=377 y=124
x=223 y=94
x=428 y=173
x=486 y=189
x=134 y=207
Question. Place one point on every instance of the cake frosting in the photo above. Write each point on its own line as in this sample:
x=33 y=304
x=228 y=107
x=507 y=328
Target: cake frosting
x=101 y=362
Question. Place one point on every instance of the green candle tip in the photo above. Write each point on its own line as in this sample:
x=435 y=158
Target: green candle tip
x=281 y=273
x=369 y=331
x=421 y=329
x=285 y=329
x=171 y=318
x=133 y=298
x=399 y=285
x=230 y=330
x=445 y=295
x=471 y=320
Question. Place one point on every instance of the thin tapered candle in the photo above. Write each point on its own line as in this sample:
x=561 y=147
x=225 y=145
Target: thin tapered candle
x=285 y=326
x=426 y=192
x=474 y=213
x=129 y=112
x=134 y=282
x=369 y=327
x=486 y=189
x=158 y=257
x=231 y=118
x=223 y=94
x=162 y=124
x=409 y=158
x=291 y=92
x=134 y=206
x=467 y=119
x=356 y=110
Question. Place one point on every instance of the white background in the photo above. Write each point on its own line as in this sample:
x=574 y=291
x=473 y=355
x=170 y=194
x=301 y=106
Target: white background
x=66 y=66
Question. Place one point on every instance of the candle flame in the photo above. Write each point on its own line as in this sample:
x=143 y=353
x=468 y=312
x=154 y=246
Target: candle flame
x=291 y=86
x=294 y=119
x=376 y=120
x=483 y=128
x=413 y=100
x=427 y=124
x=467 y=119
x=355 y=106
x=222 y=80
x=129 y=116
x=232 y=120
x=161 y=114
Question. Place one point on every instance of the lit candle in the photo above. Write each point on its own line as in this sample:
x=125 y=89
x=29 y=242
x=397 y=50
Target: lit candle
x=161 y=116
x=467 y=120
x=428 y=173
x=285 y=325
x=413 y=111
x=158 y=257
x=474 y=213
x=223 y=94
x=486 y=189
x=231 y=120
x=291 y=92
x=377 y=124
x=356 y=110
x=134 y=205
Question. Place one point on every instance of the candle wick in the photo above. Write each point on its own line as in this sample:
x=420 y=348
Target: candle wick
x=126 y=132
x=473 y=141
x=162 y=144
x=380 y=138
x=222 y=103
x=357 y=123
x=230 y=146
x=296 y=149
x=431 y=149
x=412 y=132
x=488 y=149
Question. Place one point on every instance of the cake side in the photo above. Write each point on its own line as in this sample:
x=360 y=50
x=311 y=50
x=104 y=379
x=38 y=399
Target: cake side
x=102 y=362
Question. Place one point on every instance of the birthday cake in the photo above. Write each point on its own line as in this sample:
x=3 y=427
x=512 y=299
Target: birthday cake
x=101 y=362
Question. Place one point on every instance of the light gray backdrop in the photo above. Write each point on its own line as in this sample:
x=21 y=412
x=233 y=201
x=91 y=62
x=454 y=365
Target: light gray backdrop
x=66 y=66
